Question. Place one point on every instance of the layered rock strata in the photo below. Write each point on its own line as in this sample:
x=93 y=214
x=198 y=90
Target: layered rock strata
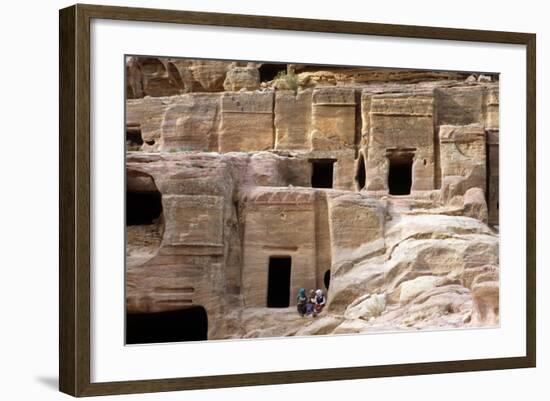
x=380 y=187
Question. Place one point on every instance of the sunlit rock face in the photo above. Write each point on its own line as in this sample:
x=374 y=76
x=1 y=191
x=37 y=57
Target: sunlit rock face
x=245 y=184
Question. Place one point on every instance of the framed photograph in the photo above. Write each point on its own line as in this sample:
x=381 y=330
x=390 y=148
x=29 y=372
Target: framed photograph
x=250 y=200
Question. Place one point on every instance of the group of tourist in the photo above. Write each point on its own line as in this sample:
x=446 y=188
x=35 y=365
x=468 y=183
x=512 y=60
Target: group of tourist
x=311 y=304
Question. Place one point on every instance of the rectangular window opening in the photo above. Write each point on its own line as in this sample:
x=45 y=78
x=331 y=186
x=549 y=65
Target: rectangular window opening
x=322 y=173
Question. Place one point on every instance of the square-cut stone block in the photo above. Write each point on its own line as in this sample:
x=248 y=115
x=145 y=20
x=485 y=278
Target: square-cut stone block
x=195 y=220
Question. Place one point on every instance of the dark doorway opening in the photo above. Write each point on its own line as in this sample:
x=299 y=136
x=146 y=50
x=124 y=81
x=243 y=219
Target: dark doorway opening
x=278 y=282
x=400 y=174
x=361 y=175
x=326 y=279
x=143 y=207
x=322 y=173
x=189 y=324
x=268 y=72
x=133 y=137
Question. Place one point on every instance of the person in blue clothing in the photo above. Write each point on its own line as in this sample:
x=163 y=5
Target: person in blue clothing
x=301 y=302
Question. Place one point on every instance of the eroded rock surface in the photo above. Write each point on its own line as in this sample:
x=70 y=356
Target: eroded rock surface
x=378 y=186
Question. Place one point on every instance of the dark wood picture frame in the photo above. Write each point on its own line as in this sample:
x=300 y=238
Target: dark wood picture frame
x=74 y=199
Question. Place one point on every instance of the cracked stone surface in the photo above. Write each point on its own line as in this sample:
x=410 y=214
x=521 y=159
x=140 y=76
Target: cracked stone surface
x=232 y=159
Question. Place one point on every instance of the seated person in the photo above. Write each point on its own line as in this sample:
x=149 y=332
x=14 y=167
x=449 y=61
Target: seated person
x=301 y=301
x=320 y=302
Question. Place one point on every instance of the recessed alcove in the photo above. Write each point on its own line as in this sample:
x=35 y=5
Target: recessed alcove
x=143 y=207
x=326 y=279
x=400 y=174
x=134 y=139
x=360 y=176
x=322 y=173
x=278 y=282
x=188 y=324
x=268 y=72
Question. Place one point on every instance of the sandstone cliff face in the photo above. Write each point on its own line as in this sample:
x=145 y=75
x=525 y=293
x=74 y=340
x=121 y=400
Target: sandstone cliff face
x=378 y=186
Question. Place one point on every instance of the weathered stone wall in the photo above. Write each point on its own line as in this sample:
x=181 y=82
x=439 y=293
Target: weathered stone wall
x=238 y=78
x=188 y=267
x=492 y=108
x=492 y=126
x=322 y=123
x=356 y=226
x=278 y=222
x=154 y=76
x=460 y=105
x=232 y=159
x=493 y=175
x=160 y=76
x=292 y=120
x=203 y=252
x=333 y=119
x=344 y=169
x=191 y=124
x=399 y=123
x=246 y=122
x=146 y=116
x=463 y=159
x=322 y=238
